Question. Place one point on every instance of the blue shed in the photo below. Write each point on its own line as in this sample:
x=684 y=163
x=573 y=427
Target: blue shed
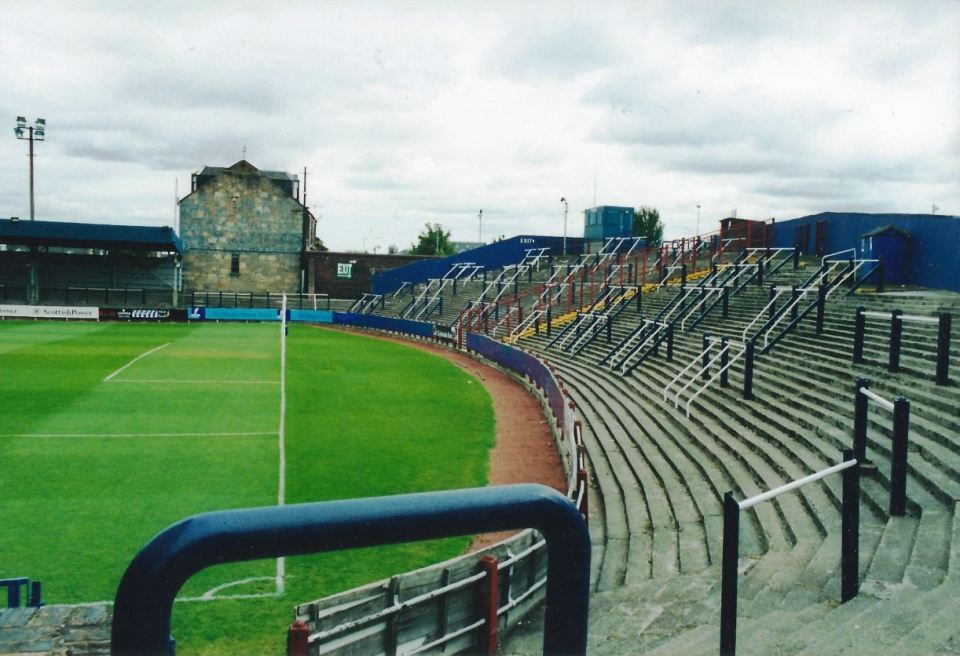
x=892 y=245
x=607 y=221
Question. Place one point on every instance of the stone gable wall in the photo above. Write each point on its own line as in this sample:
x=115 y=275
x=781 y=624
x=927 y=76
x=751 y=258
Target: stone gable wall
x=247 y=214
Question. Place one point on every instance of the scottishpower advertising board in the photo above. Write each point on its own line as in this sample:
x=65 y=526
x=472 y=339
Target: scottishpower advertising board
x=48 y=312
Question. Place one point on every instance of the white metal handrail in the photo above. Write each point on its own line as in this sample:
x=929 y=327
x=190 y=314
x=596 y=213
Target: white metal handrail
x=643 y=342
x=700 y=372
x=792 y=485
x=884 y=403
x=703 y=299
x=716 y=375
x=824 y=259
x=685 y=369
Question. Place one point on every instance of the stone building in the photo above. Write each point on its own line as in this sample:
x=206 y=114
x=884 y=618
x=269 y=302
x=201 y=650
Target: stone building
x=244 y=229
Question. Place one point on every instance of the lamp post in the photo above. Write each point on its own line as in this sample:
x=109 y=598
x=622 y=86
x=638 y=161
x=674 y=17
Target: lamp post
x=480 y=227
x=698 y=221
x=31 y=133
x=566 y=207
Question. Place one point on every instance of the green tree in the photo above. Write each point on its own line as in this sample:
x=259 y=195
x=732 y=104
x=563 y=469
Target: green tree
x=647 y=223
x=434 y=240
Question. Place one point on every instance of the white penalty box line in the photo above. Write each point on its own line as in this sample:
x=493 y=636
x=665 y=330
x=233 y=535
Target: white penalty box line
x=142 y=355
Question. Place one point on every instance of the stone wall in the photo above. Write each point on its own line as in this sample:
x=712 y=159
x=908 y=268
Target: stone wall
x=245 y=213
x=60 y=630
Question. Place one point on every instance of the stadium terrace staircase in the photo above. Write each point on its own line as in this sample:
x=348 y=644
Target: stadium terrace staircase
x=659 y=477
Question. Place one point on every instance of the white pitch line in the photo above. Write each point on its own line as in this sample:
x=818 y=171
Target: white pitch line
x=198 y=382
x=211 y=594
x=142 y=355
x=248 y=434
x=281 y=438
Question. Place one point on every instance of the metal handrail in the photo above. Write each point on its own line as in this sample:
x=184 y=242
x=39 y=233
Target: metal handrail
x=145 y=596
x=716 y=375
x=793 y=485
x=823 y=260
x=704 y=368
x=693 y=362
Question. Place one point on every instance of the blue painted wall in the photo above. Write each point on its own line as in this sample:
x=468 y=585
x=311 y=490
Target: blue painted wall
x=491 y=256
x=932 y=258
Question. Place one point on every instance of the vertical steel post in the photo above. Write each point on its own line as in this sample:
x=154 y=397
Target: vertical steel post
x=728 y=580
x=896 y=334
x=706 y=359
x=898 y=457
x=549 y=320
x=796 y=258
x=670 y=342
x=639 y=299
x=860 y=420
x=821 y=304
x=943 y=348
x=748 y=372
x=772 y=302
x=724 y=360
x=760 y=274
x=726 y=303
x=881 y=271
x=859 y=330
x=683 y=277
x=850 y=532
x=794 y=299
x=609 y=330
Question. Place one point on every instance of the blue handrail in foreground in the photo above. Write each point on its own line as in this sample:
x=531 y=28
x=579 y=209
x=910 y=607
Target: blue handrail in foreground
x=144 y=600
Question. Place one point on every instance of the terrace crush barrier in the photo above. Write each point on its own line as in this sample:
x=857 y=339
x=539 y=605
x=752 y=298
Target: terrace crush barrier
x=145 y=596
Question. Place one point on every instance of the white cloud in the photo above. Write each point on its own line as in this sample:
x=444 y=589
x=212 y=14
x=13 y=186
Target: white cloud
x=406 y=113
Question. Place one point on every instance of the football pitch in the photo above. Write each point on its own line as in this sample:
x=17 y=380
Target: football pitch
x=111 y=432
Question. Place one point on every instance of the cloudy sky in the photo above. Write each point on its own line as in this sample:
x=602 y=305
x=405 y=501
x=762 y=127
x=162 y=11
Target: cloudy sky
x=411 y=112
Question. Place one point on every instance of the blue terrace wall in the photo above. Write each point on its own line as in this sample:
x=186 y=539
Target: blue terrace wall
x=491 y=256
x=932 y=260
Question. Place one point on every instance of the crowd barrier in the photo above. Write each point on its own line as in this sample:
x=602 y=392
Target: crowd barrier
x=405 y=326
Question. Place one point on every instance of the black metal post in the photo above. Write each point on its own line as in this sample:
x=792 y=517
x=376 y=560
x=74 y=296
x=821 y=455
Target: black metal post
x=706 y=358
x=726 y=302
x=454 y=286
x=898 y=457
x=796 y=258
x=943 y=348
x=728 y=576
x=896 y=333
x=760 y=274
x=529 y=274
x=850 y=531
x=549 y=320
x=609 y=330
x=860 y=420
x=639 y=298
x=724 y=359
x=670 y=342
x=794 y=296
x=821 y=304
x=748 y=371
x=881 y=270
x=683 y=277
x=772 y=303
x=859 y=329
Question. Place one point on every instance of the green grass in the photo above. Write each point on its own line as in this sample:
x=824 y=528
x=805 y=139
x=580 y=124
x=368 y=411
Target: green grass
x=364 y=418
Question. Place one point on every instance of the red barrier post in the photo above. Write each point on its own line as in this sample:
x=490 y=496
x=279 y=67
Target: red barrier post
x=489 y=596
x=298 y=639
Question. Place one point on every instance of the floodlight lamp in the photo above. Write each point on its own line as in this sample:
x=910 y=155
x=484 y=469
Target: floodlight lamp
x=18 y=131
x=38 y=133
x=41 y=122
x=21 y=121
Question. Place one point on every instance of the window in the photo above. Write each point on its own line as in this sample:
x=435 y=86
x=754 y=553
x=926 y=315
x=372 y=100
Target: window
x=235 y=264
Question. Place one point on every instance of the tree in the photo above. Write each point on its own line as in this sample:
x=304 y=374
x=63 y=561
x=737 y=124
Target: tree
x=392 y=249
x=434 y=240
x=646 y=223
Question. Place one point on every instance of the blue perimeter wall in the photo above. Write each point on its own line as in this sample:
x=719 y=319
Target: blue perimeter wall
x=491 y=256
x=406 y=326
x=933 y=262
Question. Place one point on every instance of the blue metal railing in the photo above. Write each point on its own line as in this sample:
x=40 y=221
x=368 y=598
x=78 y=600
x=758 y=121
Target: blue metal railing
x=144 y=600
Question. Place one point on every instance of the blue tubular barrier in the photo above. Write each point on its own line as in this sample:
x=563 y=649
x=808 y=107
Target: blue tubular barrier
x=407 y=326
x=522 y=363
x=144 y=600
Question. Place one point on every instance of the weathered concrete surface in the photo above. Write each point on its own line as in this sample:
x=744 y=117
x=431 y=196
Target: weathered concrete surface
x=59 y=630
